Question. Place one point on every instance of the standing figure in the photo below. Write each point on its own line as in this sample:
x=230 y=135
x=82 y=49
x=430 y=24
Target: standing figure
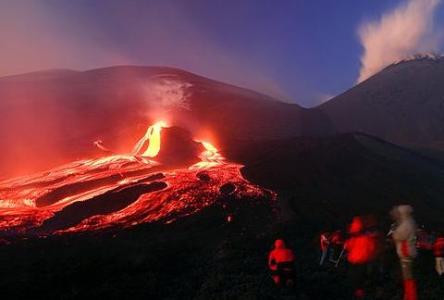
x=361 y=247
x=336 y=247
x=438 y=251
x=281 y=263
x=404 y=236
x=325 y=246
x=423 y=239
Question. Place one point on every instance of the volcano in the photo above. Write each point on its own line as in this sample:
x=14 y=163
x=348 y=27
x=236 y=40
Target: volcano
x=402 y=104
x=106 y=206
x=56 y=115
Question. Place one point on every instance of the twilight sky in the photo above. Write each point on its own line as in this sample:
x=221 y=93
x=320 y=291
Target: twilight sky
x=301 y=51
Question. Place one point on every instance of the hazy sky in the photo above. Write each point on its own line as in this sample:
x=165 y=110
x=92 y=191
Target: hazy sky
x=300 y=51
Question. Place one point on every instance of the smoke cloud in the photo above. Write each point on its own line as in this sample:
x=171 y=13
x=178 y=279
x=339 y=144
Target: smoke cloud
x=400 y=33
x=166 y=98
x=167 y=94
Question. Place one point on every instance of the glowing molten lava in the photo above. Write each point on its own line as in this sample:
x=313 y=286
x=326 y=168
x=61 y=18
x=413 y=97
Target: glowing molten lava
x=120 y=190
x=209 y=158
x=152 y=136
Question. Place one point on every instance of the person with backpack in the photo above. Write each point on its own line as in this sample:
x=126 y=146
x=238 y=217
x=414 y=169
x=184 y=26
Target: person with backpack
x=404 y=236
x=281 y=264
x=336 y=247
x=361 y=246
x=423 y=239
x=438 y=251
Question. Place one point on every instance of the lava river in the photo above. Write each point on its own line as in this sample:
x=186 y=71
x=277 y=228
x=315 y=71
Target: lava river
x=119 y=190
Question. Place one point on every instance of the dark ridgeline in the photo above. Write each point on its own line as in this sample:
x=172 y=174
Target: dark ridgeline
x=404 y=104
x=60 y=113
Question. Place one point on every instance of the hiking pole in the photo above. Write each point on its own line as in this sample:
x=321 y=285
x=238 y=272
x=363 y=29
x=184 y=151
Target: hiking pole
x=340 y=256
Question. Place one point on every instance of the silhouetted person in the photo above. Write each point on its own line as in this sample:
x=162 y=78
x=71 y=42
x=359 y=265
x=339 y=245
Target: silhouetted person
x=404 y=237
x=423 y=240
x=336 y=246
x=281 y=263
x=438 y=251
x=361 y=247
x=325 y=246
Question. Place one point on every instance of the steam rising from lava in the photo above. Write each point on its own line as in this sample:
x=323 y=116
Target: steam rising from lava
x=164 y=94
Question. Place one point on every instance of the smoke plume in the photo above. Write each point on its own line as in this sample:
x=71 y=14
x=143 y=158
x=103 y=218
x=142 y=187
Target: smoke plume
x=405 y=31
x=167 y=94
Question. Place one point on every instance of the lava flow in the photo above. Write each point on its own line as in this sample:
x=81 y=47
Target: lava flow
x=119 y=190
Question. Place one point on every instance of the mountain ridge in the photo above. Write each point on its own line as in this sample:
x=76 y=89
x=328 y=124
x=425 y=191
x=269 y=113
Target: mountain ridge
x=403 y=104
x=61 y=116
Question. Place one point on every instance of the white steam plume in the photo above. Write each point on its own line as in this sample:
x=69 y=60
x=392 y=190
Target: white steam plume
x=166 y=94
x=405 y=31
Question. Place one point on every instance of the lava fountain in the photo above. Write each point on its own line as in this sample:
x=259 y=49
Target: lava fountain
x=120 y=190
x=152 y=137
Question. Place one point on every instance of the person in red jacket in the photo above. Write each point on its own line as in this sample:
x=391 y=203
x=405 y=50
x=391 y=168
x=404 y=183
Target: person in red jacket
x=423 y=239
x=438 y=251
x=337 y=238
x=281 y=263
x=361 y=247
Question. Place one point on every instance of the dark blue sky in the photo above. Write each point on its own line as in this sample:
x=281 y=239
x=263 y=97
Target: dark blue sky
x=303 y=51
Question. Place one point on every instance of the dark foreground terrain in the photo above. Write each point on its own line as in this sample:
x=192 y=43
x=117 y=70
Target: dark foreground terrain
x=321 y=183
x=202 y=257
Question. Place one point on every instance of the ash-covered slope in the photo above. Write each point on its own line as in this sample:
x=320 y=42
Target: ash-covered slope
x=329 y=180
x=54 y=116
x=404 y=103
